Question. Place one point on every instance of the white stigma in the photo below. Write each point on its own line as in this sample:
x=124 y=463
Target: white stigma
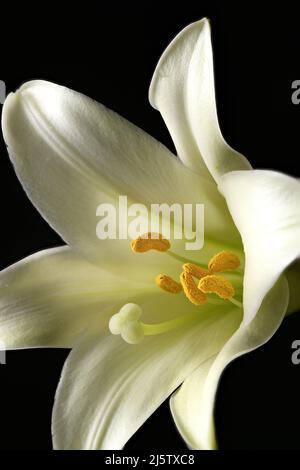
x=127 y=324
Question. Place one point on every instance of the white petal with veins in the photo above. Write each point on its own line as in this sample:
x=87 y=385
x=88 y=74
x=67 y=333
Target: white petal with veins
x=183 y=90
x=71 y=154
x=265 y=206
x=51 y=298
x=193 y=404
x=109 y=388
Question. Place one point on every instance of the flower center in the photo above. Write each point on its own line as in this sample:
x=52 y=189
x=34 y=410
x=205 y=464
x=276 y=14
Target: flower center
x=195 y=281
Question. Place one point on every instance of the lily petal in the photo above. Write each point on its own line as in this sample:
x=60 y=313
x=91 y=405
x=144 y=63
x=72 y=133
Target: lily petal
x=52 y=297
x=265 y=206
x=183 y=90
x=192 y=405
x=71 y=154
x=109 y=388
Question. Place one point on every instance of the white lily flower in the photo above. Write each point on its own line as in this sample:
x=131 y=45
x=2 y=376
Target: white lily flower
x=71 y=154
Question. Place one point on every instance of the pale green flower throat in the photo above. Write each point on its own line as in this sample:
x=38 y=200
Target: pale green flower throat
x=195 y=282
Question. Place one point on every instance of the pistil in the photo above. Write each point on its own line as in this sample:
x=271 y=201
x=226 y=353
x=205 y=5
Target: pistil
x=128 y=325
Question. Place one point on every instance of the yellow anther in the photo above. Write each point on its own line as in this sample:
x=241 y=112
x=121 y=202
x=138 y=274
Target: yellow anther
x=195 y=295
x=195 y=270
x=168 y=284
x=223 y=261
x=150 y=241
x=217 y=285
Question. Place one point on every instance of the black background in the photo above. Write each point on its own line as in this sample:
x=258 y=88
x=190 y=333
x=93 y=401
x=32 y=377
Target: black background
x=110 y=56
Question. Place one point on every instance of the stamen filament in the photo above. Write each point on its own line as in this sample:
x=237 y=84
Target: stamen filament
x=183 y=259
x=235 y=302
